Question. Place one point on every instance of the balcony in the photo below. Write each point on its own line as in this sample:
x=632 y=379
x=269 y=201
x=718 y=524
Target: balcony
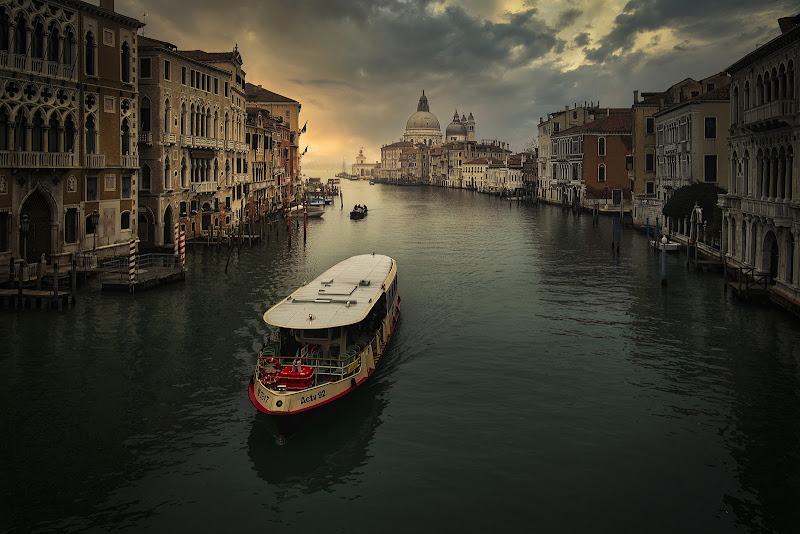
x=95 y=161
x=204 y=187
x=777 y=211
x=38 y=160
x=240 y=178
x=770 y=115
x=729 y=202
x=170 y=138
x=130 y=161
x=146 y=138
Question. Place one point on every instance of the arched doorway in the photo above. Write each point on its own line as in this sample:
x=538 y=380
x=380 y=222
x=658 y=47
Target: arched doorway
x=37 y=241
x=771 y=254
x=168 y=230
x=147 y=229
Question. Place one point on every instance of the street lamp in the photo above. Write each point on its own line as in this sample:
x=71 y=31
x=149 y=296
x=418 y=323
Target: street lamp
x=95 y=218
x=24 y=227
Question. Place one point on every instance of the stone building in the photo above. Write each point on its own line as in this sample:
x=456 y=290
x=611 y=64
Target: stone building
x=422 y=126
x=262 y=135
x=589 y=161
x=192 y=141
x=285 y=111
x=363 y=170
x=68 y=126
x=761 y=212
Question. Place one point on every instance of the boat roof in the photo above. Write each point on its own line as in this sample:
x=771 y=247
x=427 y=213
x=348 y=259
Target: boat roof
x=342 y=295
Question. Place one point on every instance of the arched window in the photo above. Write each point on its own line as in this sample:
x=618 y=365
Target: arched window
x=782 y=78
x=735 y=106
x=790 y=173
x=37 y=45
x=68 y=49
x=183 y=118
x=125 y=131
x=52 y=43
x=5 y=125
x=91 y=135
x=21 y=35
x=37 y=132
x=601 y=173
x=69 y=134
x=125 y=220
x=767 y=89
x=215 y=131
x=776 y=89
x=747 y=95
x=145 y=177
x=125 y=62
x=790 y=80
x=167 y=116
x=144 y=110
x=52 y=134
x=191 y=120
x=19 y=131
x=183 y=173
x=601 y=146
x=89 y=45
x=166 y=173
x=5 y=30
x=746 y=174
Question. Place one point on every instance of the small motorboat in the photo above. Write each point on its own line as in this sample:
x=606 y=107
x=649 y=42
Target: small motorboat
x=359 y=212
x=671 y=246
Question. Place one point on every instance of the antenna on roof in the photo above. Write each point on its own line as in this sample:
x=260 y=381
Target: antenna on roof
x=144 y=17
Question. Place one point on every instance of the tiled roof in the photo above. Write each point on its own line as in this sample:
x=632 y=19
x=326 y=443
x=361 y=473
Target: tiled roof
x=208 y=57
x=147 y=41
x=616 y=123
x=256 y=93
x=720 y=93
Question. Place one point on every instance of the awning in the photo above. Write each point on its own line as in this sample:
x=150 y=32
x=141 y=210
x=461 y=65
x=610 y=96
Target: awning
x=202 y=154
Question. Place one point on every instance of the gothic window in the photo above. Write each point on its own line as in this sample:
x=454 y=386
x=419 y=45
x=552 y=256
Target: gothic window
x=71 y=225
x=89 y=54
x=37 y=46
x=601 y=146
x=126 y=62
x=166 y=173
x=69 y=134
x=183 y=119
x=125 y=220
x=145 y=182
x=5 y=31
x=52 y=134
x=144 y=111
x=601 y=173
x=68 y=51
x=52 y=43
x=37 y=133
x=167 y=114
x=91 y=135
x=790 y=80
x=747 y=94
x=125 y=130
x=21 y=35
x=4 y=130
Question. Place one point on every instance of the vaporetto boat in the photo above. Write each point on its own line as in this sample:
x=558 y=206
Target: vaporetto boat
x=331 y=334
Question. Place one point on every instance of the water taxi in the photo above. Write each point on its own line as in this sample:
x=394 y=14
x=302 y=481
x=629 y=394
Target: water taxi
x=359 y=212
x=330 y=335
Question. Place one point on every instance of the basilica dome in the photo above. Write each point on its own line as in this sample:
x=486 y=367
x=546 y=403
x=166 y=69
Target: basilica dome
x=423 y=126
x=456 y=129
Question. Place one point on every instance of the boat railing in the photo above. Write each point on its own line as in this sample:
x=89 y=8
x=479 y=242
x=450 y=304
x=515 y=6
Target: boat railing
x=330 y=368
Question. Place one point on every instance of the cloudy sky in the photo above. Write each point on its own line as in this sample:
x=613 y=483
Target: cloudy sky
x=358 y=67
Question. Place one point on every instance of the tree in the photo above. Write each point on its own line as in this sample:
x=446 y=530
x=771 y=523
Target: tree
x=532 y=146
x=682 y=201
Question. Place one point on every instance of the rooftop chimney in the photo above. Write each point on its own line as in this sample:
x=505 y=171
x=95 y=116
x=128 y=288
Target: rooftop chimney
x=635 y=97
x=108 y=5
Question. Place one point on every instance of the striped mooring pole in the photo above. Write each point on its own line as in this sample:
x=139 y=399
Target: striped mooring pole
x=132 y=264
x=175 y=240
x=183 y=250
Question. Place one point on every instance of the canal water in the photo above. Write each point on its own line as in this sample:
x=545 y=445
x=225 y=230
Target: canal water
x=536 y=380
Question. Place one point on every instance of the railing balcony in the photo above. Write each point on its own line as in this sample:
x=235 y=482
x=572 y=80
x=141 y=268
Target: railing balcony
x=765 y=208
x=777 y=109
x=170 y=138
x=146 y=137
x=3 y=58
x=130 y=161
x=259 y=152
x=204 y=187
x=38 y=160
x=95 y=161
x=187 y=140
x=240 y=178
x=729 y=202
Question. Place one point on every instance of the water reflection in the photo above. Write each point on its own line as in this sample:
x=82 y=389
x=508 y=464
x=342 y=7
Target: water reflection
x=316 y=450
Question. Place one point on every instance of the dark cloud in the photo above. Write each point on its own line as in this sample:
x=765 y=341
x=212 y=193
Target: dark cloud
x=582 y=39
x=567 y=18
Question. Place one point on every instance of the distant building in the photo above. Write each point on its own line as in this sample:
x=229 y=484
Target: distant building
x=422 y=126
x=363 y=170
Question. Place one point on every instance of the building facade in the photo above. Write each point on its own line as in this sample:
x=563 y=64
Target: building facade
x=68 y=155
x=761 y=212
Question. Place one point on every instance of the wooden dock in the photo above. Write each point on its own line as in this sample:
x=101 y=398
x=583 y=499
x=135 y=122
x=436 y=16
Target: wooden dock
x=36 y=298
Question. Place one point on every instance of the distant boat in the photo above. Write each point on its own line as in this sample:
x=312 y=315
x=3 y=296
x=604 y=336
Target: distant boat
x=359 y=212
x=316 y=201
x=671 y=246
x=371 y=182
x=310 y=211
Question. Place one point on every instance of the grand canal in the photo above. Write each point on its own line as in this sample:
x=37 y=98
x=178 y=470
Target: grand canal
x=536 y=380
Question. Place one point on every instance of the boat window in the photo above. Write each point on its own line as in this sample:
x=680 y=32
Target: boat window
x=317 y=333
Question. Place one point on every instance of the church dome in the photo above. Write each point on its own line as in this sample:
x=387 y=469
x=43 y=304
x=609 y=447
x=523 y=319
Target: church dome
x=423 y=119
x=456 y=128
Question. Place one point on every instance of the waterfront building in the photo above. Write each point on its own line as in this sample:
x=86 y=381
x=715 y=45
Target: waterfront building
x=363 y=170
x=761 y=212
x=192 y=141
x=68 y=158
x=390 y=160
x=642 y=160
x=556 y=122
x=692 y=144
x=262 y=134
x=589 y=161
x=286 y=110
x=461 y=129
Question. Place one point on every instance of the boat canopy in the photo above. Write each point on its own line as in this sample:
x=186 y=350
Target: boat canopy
x=340 y=296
